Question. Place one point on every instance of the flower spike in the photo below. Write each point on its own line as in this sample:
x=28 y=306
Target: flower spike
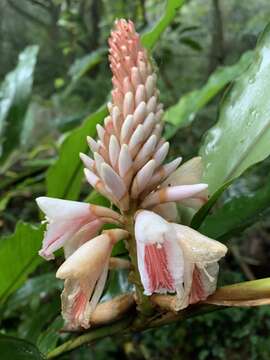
x=128 y=167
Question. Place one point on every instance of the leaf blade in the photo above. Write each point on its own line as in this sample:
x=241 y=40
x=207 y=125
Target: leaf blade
x=64 y=176
x=18 y=349
x=183 y=113
x=15 y=95
x=241 y=136
x=150 y=38
x=236 y=214
x=21 y=250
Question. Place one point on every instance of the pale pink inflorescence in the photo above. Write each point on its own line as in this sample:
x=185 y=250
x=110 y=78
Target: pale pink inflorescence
x=127 y=167
x=128 y=158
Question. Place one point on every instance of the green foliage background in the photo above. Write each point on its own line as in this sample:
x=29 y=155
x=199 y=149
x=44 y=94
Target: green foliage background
x=55 y=81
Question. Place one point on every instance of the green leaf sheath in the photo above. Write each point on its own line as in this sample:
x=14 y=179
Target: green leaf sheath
x=18 y=257
x=15 y=93
x=183 y=113
x=242 y=134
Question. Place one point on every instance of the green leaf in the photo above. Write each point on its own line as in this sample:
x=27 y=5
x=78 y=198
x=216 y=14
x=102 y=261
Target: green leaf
x=81 y=66
x=184 y=112
x=150 y=38
x=206 y=208
x=64 y=177
x=193 y=44
x=36 y=318
x=242 y=134
x=97 y=199
x=15 y=94
x=46 y=284
x=47 y=340
x=18 y=257
x=237 y=214
x=17 y=349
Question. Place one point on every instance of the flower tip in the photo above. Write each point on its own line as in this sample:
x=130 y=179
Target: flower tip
x=45 y=255
x=177 y=161
x=89 y=176
x=44 y=203
x=40 y=200
x=203 y=186
x=65 y=270
x=116 y=234
x=61 y=272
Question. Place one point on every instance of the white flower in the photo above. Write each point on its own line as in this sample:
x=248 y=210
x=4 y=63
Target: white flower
x=71 y=223
x=85 y=274
x=175 y=258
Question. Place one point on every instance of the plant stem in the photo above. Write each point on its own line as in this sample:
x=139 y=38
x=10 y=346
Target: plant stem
x=144 y=304
x=90 y=336
x=129 y=325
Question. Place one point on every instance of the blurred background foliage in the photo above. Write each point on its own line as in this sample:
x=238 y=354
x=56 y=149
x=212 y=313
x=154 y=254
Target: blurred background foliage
x=55 y=79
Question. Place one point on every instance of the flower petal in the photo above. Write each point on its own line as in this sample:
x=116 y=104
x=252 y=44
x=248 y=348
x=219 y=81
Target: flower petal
x=59 y=209
x=160 y=258
x=201 y=255
x=56 y=236
x=174 y=193
x=85 y=273
x=187 y=174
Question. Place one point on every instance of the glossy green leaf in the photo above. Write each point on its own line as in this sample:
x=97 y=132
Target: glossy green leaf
x=15 y=94
x=64 y=177
x=18 y=257
x=242 y=134
x=237 y=214
x=17 y=349
x=150 y=38
x=184 y=112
